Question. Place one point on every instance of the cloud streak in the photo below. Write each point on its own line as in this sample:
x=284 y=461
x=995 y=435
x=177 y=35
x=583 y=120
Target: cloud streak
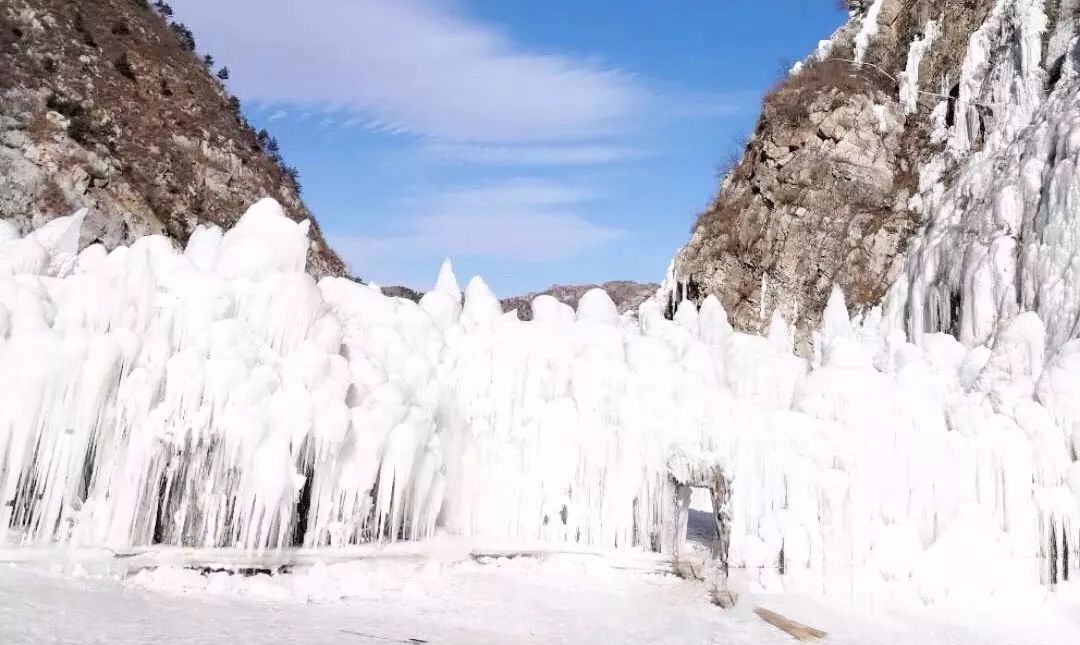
x=411 y=66
x=522 y=220
x=536 y=155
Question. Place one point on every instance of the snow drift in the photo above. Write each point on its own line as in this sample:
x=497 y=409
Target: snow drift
x=219 y=396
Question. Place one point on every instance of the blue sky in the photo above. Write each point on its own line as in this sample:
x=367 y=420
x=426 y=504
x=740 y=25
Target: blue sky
x=534 y=142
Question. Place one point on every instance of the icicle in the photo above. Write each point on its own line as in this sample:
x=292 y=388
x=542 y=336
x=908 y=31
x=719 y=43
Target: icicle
x=220 y=398
x=909 y=78
x=596 y=305
x=780 y=333
x=764 y=292
x=867 y=30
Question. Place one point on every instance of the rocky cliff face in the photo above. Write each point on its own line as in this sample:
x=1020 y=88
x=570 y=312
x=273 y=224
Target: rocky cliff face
x=103 y=104
x=891 y=162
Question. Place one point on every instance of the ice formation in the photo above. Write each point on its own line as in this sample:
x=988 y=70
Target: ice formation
x=1000 y=235
x=909 y=78
x=867 y=30
x=220 y=397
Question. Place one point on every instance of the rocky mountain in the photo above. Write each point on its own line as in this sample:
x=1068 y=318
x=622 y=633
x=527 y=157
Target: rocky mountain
x=922 y=159
x=106 y=105
x=626 y=295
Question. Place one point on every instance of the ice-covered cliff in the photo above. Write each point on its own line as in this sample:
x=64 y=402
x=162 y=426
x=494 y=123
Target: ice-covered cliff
x=220 y=396
x=924 y=159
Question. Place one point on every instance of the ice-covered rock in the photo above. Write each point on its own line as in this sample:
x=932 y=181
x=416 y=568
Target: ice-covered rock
x=925 y=163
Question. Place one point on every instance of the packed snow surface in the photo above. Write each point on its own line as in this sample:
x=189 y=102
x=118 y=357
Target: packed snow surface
x=220 y=397
x=435 y=593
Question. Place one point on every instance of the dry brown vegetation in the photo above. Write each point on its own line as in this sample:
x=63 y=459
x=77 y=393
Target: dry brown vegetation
x=788 y=106
x=54 y=200
x=790 y=167
x=789 y=102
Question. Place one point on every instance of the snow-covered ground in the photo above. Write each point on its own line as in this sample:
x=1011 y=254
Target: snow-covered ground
x=444 y=595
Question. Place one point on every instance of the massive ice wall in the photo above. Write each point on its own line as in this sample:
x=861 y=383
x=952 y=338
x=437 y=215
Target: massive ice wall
x=219 y=396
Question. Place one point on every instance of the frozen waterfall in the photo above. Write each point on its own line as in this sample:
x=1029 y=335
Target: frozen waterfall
x=219 y=396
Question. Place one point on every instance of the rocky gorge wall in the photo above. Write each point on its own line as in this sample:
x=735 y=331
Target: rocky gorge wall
x=861 y=150
x=105 y=105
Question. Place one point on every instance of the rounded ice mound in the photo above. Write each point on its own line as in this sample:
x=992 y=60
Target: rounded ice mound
x=481 y=305
x=651 y=318
x=596 y=305
x=92 y=258
x=780 y=333
x=25 y=256
x=847 y=352
x=443 y=308
x=547 y=308
x=713 y=321
x=686 y=315
x=203 y=245
x=263 y=241
x=835 y=321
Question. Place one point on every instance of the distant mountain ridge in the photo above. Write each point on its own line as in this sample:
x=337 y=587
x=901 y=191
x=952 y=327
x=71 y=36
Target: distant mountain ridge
x=627 y=295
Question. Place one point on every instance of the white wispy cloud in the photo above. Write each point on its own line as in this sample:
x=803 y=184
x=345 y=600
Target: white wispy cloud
x=411 y=65
x=525 y=220
x=536 y=155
